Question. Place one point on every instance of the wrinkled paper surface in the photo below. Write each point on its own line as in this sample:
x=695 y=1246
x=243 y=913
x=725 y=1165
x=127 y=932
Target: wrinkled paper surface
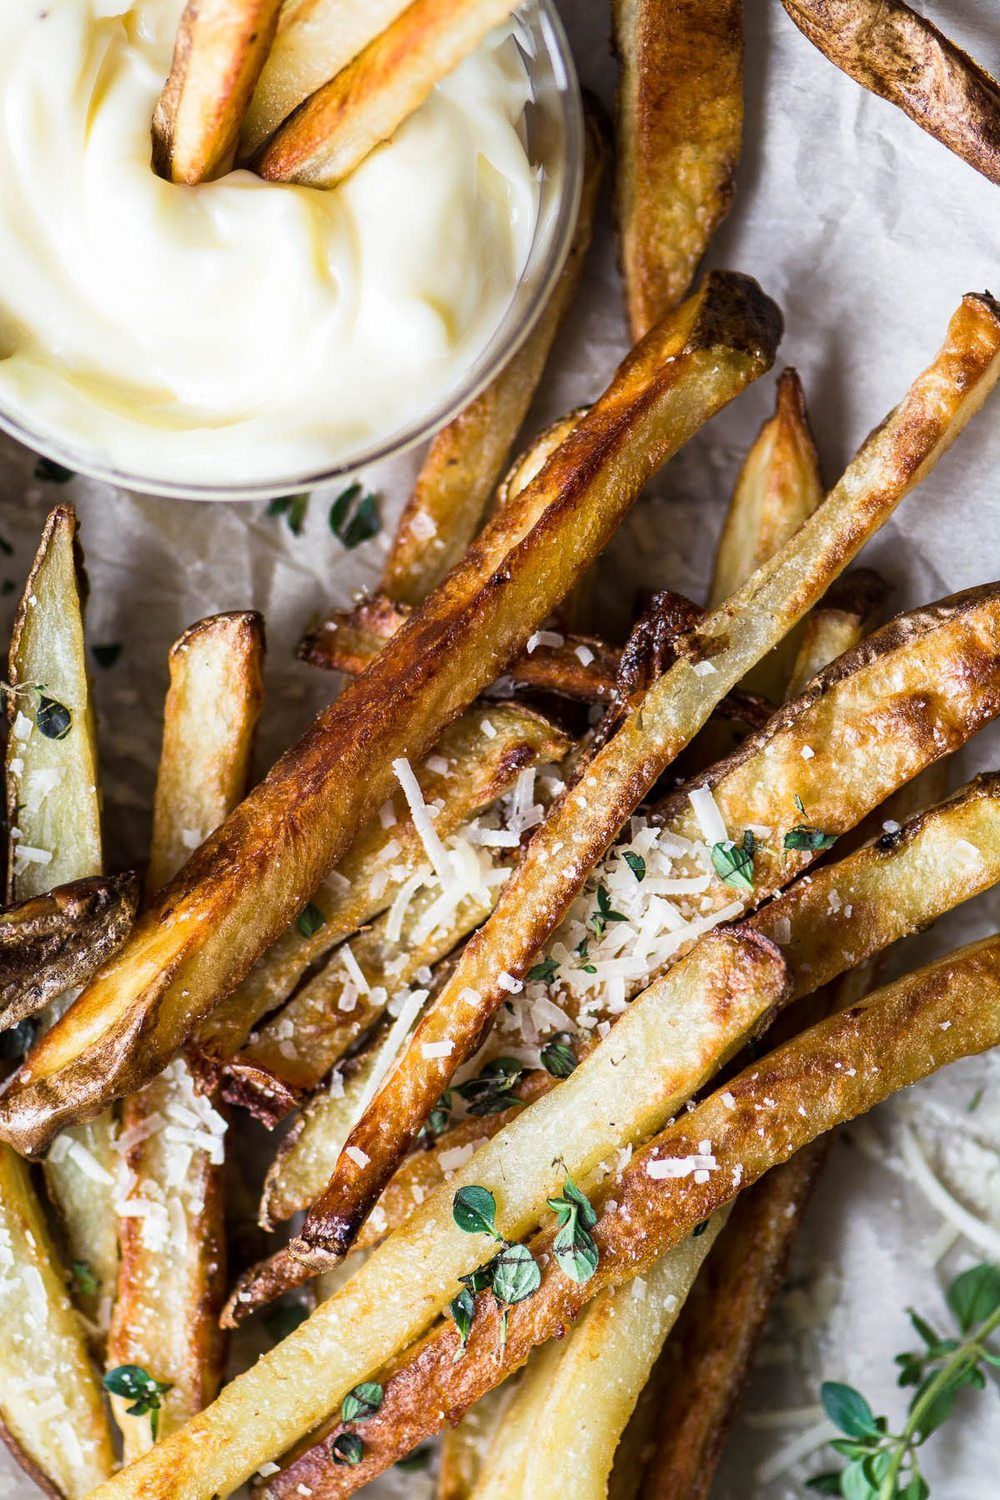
x=866 y=232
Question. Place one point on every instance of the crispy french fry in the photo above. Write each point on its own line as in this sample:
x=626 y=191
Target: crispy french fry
x=900 y=688
x=583 y=667
x=778 y=488
x=898 y=54
x=584 y=822
x=315 y=40
x=336 y=128
x=54 y=807
x=50 y=942
x=680 y=124
x=221 y=48
x=212 y=709
x=212 y=922
x=51 y=1411
x=579 y=1393
x=837 y=624
x=467 y=1450
x=705 y=1007
x=831 y=1073
x=467 y=459
x=485 y=750
x=171 y=1280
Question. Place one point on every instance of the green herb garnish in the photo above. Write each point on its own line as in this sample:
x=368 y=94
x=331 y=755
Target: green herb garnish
x=437 y=1121
x=84 y=1280
x=557 y=1056
x=604 y=913
x=474 y=1210
x=294 y=509
x=135 y=1384
x=515 y=1275
x=463 y=1310
x=360 y=1404
x=544 y=972
x=733 y=863
x=347 y=1448
x=53 y=719
x=354 y=517
x=310 y=920
x=490 y=1093
x=807 y=837
x=573 y=1245
x=49 y=472
x=884 y=1465
x=413 y=1462
x=636 y=864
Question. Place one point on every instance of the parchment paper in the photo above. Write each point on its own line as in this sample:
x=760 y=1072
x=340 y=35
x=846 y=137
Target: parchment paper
x=867 y=232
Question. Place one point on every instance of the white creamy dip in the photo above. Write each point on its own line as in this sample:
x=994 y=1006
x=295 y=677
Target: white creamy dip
x=239 y=331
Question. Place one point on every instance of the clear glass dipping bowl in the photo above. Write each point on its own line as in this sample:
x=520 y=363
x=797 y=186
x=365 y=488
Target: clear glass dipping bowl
x=555 y=133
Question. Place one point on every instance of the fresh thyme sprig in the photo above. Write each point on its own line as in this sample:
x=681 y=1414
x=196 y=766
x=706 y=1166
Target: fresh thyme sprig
x=885 y=1465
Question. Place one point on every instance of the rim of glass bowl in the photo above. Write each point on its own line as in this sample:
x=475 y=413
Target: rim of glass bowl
x=561 y=117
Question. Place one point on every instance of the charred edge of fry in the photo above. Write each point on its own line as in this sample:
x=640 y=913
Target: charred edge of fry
x=28 y=1466
x=52 y=942
x=902 y=57
x=774 y=1108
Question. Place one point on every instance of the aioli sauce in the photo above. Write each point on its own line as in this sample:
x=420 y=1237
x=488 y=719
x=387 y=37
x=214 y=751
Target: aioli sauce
x=239 y=331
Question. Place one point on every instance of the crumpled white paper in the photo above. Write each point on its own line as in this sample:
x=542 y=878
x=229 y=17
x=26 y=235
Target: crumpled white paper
x=866 y=232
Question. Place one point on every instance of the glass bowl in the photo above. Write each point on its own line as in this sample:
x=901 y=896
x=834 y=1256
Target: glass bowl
x=555 y=134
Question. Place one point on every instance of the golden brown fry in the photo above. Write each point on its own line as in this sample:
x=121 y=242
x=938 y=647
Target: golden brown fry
x=222 y=46
x=212 y=708
x=778 y=488
x=344 y=120
x=172 y=1276
x=53 y=806
x=466 y=460
x=837 y=624
x=240 y=891
x=894 y=52
x=583 y=667
x=314 y=41
x=485 y=749
x=51 y=942
x=51 y=1412
x=831 y=1073
x=680 y=123
x=583 y=824
x=466 y=1450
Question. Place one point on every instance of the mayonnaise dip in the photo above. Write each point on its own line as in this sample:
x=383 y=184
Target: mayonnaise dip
x=239 y=331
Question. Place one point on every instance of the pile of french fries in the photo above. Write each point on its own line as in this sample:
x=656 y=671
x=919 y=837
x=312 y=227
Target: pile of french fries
x=556 y=1039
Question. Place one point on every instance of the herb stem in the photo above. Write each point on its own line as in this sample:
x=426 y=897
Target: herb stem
x=969 y=1352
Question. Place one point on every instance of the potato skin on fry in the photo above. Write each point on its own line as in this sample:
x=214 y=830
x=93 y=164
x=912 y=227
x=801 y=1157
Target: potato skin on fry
x=222 y=46
x=54 y=941
x=680 y=124
x=901 y=56
x=249 y=880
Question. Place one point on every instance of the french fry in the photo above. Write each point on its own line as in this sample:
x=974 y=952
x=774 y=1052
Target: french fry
x=54 y=818
x=344 y=120
x=221 y=48
x=680 y=124
x=898 y=54
x=51 y=1412
x=467 y=1449
x=900 y=688
x=836 y=624
x=578 y=1394
x=212 y=708
x=49 y=943
x=485 y=750
x=315 y=40
x=663 y=1048
x=778 y=488
x=833 y=1072
x=212 y=922
x=583 y=824
x=348 y=640
x=467 y=459
x=53 y=807
x=171 y=1280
